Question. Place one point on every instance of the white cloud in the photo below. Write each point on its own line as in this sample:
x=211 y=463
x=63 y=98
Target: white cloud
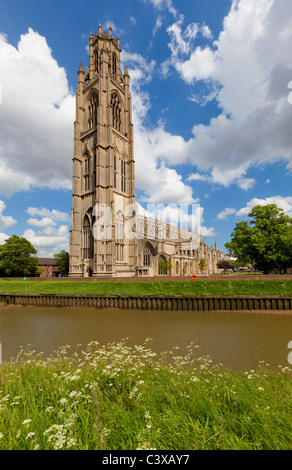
x=43 y=212
x=36 y=117
x=161 y=4
x=49 y=241
x=3 y=238
x=225 y=178
x=158 y=25
x=44 y=222
x=284 y=203
x=224 y=214
x=200 y=64
x=201 y=61
x=247 y=70
x=53 y=235
x=199 y=177
x=139 y=68
x=5 y=220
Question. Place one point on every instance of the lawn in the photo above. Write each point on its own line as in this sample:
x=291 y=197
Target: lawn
x=192 y=287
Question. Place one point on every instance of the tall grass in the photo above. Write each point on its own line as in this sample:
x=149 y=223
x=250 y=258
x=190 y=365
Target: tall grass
x=119 y=397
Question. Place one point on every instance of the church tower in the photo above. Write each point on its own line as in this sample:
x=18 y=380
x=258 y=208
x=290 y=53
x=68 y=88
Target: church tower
x=103 y=165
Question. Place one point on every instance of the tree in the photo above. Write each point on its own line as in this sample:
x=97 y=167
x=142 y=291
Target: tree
x=62 y=262
x=266 y=242
x=16 y=257
x=164 y=266
x=225 y=264
x=202 y=264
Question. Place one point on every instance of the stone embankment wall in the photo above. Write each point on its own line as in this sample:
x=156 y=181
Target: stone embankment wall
x=151 y=302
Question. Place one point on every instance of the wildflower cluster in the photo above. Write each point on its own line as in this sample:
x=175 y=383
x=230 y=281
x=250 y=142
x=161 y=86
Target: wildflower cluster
x=117 y=396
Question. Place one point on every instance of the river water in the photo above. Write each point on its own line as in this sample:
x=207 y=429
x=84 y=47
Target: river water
x=239 y=340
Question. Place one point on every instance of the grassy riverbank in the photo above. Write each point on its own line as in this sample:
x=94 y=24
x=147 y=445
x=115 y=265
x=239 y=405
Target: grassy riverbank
x=207 y=287
x=117 y=397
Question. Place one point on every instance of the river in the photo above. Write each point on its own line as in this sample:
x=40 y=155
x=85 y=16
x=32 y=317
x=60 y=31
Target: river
x=239 y=340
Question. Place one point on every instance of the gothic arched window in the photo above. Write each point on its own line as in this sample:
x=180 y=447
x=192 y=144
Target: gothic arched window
x=123 y=176
x=87 y=238
x=96 y=62
x=87 y=185
x=92 y=111
x=114 y=66
x=116 y=112
x=119 y=234
x=148 y=253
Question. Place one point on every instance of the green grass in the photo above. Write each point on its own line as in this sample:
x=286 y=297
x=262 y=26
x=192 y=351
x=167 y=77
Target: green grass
x=116 y=397
x=210 y=287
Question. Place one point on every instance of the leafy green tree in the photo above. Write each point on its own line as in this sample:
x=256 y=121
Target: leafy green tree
x=202 y=264
x=164 y=266
x=62 y=262
x=17 y=257
x=266 y=242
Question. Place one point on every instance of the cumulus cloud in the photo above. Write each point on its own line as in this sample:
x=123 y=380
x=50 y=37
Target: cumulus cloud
x=53 y=234
x=5 y=220
x=49 y=241
x=36 y=117
x=54 y=215
x=225 y=177
x=3 y=238
x=184 y=59
x=44 y=222
x=248 y=69
x=224 y=214
x=284 y=203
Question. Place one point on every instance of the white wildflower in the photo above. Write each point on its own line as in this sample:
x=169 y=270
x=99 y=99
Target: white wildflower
x=49 y=409
x=147 y=415
x=26 y=421
x=195 y=379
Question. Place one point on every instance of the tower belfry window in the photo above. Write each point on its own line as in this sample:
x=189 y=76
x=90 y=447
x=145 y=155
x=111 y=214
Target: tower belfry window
x=115 y=171
x=87 y=238
x=96 y=62
x=92 y=111
x=116 y=111
x=119 y=235
x=87 y=174
x=114 y=66
x=123 y=176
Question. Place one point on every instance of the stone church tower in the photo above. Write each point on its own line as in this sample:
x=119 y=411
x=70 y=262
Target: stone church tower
x=107 y=237
x=103 y=164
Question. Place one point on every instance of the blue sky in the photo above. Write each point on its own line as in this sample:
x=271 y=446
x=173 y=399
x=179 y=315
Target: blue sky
x=211 y=83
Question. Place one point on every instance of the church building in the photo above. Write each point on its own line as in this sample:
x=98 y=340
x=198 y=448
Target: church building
x=108 y=237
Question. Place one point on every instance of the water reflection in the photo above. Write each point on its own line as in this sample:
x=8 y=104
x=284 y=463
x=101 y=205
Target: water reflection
x=236 y=339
